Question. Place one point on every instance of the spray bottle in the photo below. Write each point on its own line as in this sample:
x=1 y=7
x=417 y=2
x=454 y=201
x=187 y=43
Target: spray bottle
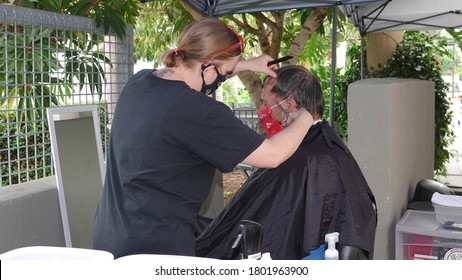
x=331 y=253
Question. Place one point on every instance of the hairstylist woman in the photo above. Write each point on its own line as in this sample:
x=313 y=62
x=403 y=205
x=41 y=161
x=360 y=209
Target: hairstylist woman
x=167 y=139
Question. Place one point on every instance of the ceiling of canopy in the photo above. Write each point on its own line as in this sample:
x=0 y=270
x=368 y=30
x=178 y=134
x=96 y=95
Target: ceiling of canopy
x=218 y=8
x=398 y=15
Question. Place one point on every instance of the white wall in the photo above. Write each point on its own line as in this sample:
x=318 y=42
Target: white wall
x=30 y=215
x=391 y=134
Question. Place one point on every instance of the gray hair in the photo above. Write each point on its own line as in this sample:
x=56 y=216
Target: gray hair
x=297 y=81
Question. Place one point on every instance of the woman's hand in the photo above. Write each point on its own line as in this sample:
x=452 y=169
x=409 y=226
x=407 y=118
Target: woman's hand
x=257 y=64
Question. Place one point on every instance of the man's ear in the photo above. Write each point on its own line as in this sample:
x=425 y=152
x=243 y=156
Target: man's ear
x=292 y=104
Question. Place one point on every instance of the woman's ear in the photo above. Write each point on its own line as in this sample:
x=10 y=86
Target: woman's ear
x=208 y=68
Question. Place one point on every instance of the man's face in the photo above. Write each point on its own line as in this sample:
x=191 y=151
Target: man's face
x=277 y=104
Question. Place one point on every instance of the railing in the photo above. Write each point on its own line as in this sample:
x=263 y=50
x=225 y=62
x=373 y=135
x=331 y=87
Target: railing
x=248 y=115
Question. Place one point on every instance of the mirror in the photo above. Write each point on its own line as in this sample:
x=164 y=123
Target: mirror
x=79 y=168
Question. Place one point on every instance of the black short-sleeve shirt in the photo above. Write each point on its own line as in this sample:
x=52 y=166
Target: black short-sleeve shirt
x=166 y=142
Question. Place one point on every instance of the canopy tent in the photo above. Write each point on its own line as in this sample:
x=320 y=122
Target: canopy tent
x=398 y=15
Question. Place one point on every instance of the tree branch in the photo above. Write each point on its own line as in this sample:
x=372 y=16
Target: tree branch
x=244 y=24
x=196 y=15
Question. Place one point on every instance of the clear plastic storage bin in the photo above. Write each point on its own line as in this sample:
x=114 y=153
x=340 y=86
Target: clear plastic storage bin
x=447 y=216
x=420 y=237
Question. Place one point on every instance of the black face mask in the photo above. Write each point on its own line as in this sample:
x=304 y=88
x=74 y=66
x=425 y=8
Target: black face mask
x=209 y=89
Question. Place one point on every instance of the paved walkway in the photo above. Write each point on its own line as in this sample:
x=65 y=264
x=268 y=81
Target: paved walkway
x=454 y=167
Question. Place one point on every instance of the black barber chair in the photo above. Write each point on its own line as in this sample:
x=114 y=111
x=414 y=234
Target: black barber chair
x=249 y=239
x=352 y=253
x=424 y=191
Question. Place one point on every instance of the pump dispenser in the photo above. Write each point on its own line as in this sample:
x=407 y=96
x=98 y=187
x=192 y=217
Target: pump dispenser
x=331 y=253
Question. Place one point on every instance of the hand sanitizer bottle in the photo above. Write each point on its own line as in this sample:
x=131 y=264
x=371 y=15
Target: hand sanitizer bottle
x=331 y=253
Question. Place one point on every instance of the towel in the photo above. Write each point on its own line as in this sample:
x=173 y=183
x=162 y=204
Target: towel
x=447 y=200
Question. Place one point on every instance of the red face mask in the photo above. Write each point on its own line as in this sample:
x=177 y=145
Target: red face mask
x=270 y=125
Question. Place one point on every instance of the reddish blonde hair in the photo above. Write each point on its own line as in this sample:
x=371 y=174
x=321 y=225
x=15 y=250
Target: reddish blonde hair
x=205 y=40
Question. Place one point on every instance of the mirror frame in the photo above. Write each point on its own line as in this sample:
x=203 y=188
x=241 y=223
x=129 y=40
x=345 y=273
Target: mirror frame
x=66 y=113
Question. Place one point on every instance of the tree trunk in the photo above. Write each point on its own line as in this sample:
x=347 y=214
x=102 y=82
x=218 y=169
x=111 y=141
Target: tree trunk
x=312 y=22
x=254 y=86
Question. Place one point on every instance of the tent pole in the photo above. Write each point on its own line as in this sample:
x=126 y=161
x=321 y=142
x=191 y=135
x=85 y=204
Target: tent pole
x=362 y=56
x=333 y=65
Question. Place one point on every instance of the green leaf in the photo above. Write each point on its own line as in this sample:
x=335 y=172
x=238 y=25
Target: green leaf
x=80 y=8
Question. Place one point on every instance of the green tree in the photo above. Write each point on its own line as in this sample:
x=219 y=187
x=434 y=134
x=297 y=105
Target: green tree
x=157 y=28
x=108 y=14
x=81 y=53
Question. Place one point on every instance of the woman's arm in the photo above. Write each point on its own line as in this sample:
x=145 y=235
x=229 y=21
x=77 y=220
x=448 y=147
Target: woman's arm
x=277 y=149
x=257 y=64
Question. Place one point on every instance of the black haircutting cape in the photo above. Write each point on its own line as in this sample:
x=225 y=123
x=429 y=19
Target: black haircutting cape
x=319 y=190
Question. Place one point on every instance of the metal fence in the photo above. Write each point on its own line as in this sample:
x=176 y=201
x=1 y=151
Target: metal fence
x=248 y=115
x=49 y=59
